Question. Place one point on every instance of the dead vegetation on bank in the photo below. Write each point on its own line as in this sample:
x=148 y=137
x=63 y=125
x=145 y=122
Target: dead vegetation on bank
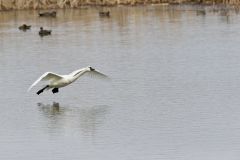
x=55 y=4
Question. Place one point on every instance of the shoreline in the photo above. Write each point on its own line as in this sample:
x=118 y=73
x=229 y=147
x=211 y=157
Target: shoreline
x=6 y=5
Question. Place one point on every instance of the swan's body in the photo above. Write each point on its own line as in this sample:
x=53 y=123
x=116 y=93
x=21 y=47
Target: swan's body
x=58 y=81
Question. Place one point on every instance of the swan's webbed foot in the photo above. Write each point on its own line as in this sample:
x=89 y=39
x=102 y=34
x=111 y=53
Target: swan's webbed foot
x=55 y=90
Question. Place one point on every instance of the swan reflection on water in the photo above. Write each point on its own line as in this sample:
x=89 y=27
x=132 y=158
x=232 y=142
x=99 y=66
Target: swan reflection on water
x=49 y=110
x=84 y=118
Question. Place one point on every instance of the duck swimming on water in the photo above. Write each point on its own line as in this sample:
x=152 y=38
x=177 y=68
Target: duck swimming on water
x=104 y=14
x=48 y=14
x=43 y=32
x=24 y=27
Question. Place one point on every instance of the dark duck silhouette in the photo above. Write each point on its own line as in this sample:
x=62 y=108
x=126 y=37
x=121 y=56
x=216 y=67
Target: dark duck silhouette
x=201 y=12
x=24 y=27
x=48 y=14
x=104 y=14
x=43 y=32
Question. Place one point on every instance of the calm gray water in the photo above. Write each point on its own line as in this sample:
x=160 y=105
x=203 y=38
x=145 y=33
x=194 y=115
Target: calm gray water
x=174 y=92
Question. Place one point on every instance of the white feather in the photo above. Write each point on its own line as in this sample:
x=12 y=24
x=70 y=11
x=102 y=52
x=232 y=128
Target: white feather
x=46 y=76
x=97 y=74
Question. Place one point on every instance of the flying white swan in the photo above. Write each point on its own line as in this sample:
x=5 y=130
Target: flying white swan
x=57 y=81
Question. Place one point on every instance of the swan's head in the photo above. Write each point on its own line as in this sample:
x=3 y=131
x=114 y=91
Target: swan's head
x=41 y=28
x=91 y=69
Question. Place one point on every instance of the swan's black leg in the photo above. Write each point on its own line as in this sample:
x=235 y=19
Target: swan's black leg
x=41 y=90
x=55 y=90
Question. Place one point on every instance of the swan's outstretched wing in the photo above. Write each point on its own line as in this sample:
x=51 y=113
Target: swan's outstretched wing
x=97 y=74
x=48 y=76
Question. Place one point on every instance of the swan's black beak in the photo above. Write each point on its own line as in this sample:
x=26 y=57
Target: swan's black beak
x=91 y=69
